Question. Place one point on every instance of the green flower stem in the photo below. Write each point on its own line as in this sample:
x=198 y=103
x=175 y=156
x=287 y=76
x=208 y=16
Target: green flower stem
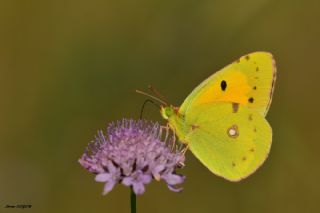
x=133 y=201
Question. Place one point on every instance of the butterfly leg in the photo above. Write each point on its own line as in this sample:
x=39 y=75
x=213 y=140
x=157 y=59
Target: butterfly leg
x=160 y=132
x=167 y=132
x=184 y=150
x=173 y=146
x=166 y=128
x=174 y=140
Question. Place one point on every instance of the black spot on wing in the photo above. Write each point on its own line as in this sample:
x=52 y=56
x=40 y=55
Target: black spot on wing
x=223 y=85
x=235 y=107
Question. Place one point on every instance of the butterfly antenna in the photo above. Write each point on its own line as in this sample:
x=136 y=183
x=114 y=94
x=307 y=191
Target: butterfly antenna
x=153 y=97
x=158 y=94
x=144 y=104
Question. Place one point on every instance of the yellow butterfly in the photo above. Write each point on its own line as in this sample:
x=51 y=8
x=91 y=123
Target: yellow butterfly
x=223 y=120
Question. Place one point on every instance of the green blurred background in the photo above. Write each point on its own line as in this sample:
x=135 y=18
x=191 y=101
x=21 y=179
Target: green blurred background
x=68 y=67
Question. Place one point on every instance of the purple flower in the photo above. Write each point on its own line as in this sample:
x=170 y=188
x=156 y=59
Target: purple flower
x=133 y=153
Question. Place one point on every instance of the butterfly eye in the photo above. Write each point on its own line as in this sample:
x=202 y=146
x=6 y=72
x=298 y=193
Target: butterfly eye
x=169 y=111
x=223 y=85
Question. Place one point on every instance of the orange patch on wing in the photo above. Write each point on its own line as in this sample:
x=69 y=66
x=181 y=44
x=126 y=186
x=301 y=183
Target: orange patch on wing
x=236 y=91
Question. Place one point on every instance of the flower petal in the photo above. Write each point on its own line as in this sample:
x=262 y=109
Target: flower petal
x=158 y=168
x=127 y=181
x=111 y=167
x=172 y=188
x=108 y=187
x=104 y=177
x=173 y=179
x=145 y=178
x=138 y=188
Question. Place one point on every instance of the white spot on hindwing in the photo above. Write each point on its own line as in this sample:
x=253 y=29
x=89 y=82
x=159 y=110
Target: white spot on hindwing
x=233 y=131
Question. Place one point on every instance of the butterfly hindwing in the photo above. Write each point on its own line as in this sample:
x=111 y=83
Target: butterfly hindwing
x=232 y=141
x=248 y=81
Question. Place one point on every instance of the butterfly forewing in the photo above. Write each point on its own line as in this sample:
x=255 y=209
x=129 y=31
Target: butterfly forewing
x=248 y=81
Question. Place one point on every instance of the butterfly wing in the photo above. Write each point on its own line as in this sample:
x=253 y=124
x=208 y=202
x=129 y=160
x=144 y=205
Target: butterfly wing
x=248 y=81
x=232 y=141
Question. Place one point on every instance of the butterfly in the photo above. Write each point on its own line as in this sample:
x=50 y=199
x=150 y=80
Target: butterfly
x=223 y=120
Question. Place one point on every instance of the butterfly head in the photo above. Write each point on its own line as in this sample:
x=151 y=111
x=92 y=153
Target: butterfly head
x=168 y=111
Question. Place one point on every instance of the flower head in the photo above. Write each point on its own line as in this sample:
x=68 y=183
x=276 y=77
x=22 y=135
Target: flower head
x=133 y=154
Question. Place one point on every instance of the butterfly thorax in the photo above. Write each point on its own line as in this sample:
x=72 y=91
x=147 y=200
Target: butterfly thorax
x=176 y=121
